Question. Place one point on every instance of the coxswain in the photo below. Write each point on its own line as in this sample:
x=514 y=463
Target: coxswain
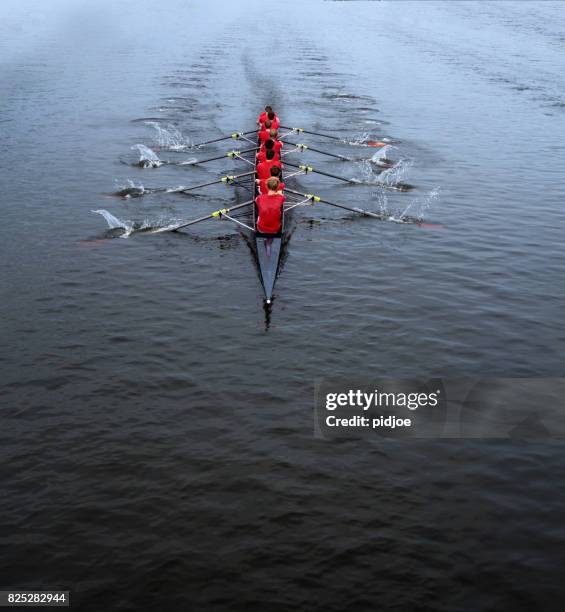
x=264 y=168
x=270 y=208
x=275 y=173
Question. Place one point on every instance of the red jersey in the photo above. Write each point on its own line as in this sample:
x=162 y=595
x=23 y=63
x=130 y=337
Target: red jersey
x=263 y=117
x=275 y=124
x=270 y=213
x=262 y=156
x=276 y=148
x=263 y=186
x=264 y=168
x=264 y=135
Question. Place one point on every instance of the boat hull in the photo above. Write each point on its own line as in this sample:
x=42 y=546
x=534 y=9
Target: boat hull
x=268 y=249
x=268 y=257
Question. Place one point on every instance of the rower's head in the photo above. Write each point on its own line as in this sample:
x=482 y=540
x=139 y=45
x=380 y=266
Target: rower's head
x=268 y=125
x=269 y=144
x=273 y=184
x=273 y=133
x=269 y=154
x=275 y=171
x=268 y=109
x=270 y=115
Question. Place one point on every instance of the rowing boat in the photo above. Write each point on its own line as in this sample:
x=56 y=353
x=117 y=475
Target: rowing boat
x=268 y=248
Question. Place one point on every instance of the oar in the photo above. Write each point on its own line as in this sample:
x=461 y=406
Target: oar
x=215 y=214
x=370 y=143
x=301 y=130
x=307 y=169
x=224 y=179
x=228 y=154
x=303 y=147
x=360 y=211
x=234 y=135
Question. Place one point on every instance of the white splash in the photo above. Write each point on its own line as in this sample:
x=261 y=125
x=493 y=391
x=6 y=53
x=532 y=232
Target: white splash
x=130 y=227
x=393 y=176
x=147 y=157
x=358 y=140
x=381 y=157
x=170 y=137
x=382 y=153
x=115 y=223
x=414 y=212
x=421 y=205
x=130 y=190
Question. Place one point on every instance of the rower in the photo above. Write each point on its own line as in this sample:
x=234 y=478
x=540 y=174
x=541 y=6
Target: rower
x=275 y=173
x=275 y=124
x=264 y=168
x=274 y=136
x=264 y=116
x=265 y=132
x=270 y=145
x=270 y=208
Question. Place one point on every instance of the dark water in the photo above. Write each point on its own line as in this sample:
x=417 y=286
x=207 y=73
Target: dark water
x=157 y=447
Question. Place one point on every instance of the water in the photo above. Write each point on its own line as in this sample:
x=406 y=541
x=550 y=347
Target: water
x=157 y=446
